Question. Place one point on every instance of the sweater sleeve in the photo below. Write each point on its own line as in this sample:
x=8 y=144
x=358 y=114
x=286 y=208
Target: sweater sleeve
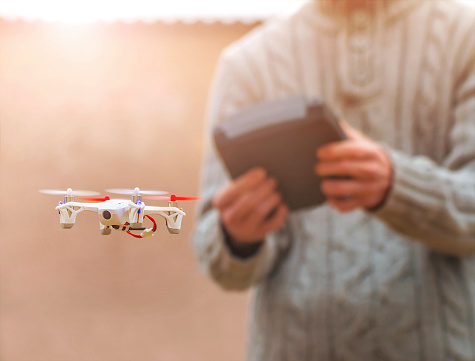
x=436 y=204
x=233 y=89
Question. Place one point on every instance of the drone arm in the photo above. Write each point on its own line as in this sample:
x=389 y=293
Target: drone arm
x=69 y=211
x=173 y=216
x=82 y=206
x=160 y=210
x=90 y=208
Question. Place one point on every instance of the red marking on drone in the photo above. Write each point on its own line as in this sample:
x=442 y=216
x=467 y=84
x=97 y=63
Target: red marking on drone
x=95 y=199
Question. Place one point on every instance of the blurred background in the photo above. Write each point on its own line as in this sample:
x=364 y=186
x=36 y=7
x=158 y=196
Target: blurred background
x=105 y=94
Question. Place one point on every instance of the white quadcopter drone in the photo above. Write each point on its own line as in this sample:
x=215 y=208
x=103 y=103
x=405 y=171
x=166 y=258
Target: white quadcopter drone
x=120 y=214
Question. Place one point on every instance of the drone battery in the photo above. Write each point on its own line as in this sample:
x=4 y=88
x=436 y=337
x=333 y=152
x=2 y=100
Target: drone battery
x=281 y=136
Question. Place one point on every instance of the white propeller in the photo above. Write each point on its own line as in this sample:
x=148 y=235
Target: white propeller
x=69 y=192
x=136 y=192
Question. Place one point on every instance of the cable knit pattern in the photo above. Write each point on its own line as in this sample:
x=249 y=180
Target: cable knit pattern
x=425 y=110
x=397 y=284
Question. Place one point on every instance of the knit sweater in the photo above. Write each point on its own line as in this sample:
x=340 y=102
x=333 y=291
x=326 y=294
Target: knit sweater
x=397 y=284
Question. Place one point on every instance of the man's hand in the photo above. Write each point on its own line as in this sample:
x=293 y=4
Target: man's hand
x=365 y=162
x=250 y=207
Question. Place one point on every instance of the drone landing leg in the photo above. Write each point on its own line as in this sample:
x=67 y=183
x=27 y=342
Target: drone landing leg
x=67 y=216
x=105 y=230
x=173 y=223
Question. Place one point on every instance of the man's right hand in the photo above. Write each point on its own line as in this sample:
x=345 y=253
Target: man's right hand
x=250 y=207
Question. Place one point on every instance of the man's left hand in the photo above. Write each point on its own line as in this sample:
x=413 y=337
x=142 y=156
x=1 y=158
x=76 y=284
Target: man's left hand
x=361 y=159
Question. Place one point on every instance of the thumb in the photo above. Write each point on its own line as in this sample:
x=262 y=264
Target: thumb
x=351 y=132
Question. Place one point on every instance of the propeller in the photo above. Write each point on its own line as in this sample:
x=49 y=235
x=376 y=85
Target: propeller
x=69 y=192
x=136 y=192
x=173 y=198
x=95 y=199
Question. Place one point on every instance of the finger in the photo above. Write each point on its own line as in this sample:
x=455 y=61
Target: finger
x=344 y=205
x=246 y=203
x=346 y=149
x=345 y=188
x=351 y=132
x=366 y=170
x=371 y=202
x=277 y=221
x=350 y=204
x=247 y=181
x=263 y=210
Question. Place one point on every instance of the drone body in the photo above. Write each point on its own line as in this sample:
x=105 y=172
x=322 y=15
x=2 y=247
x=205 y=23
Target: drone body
x=120 y=214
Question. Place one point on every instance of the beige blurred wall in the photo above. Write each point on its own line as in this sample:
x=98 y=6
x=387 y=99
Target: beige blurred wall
x=95 y=107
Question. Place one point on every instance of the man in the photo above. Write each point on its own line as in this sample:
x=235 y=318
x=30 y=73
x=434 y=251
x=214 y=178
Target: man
x=388 y=273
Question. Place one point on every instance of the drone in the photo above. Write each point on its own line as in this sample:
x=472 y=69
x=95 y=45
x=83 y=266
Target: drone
x=121 y=214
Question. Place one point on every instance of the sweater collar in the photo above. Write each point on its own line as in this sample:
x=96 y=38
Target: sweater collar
x=338 y=8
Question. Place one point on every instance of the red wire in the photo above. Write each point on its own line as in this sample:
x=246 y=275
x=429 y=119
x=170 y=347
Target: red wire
x=134 y=235
x=154 y=223
x=153 y=229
